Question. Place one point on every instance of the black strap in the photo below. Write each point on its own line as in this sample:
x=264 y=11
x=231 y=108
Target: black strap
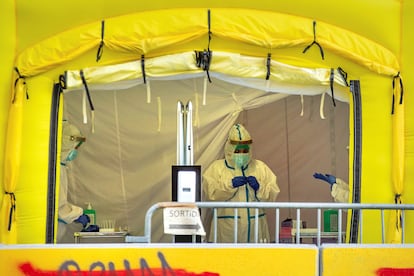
x=100 y=49
x=12 y=208
x=331 y=81
x=203 y=59
x=209 y=28
x=397 y=200
x=62 y=81
x=402 y=91
x=86 y=89
x=393 y=87
x=344 y=75
x=143 y=68
x=268 y=63
x=314 y=42
x=20 y=77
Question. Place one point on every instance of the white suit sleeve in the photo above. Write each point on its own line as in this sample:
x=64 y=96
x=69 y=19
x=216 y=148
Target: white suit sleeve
x=217 y=185
x=67 y=211
x=340 y=191
x=269 y=190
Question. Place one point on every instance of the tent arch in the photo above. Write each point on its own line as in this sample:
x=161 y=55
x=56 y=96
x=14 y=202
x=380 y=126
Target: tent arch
x=155 y=33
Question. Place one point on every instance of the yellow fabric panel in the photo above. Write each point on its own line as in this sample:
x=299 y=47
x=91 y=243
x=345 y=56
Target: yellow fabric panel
x=398 y=140
x=58 y=49
x=289 y=31
x=367 y=260
x=147 y=32
x=224 y=63
x=356 y=15
x=150 y=32
x=407 y=59
x=159 y=260
x=376 y=140
x=398 y=157
x=32 y=185
x=12 y=159
x=376 y=182
x=7 y=53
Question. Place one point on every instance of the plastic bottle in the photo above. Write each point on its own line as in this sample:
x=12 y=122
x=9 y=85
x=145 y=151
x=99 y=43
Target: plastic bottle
x=91 y=213
x=330 y=220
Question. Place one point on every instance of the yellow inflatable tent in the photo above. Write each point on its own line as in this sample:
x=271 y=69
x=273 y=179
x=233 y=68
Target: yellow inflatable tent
x=118 y=68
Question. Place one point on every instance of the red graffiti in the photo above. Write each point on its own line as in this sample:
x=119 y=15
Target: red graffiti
x=71 y=267
x=29 y=270
x=386 y=271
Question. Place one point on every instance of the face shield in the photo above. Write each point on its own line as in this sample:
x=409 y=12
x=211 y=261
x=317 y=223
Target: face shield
x=238 y=147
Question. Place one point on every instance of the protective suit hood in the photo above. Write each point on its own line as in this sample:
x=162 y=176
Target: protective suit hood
x=238 y=135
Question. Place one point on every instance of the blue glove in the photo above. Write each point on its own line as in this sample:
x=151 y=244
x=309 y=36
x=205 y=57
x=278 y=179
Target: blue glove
x=83 y=219
x=91 y=228
x=239 y=181
x=325 y=177
x=253 y=183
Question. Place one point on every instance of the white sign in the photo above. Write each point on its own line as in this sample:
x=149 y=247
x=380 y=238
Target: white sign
x=183 y=221
x=186 y=186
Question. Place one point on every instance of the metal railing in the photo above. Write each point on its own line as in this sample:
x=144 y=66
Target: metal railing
x=277 y=206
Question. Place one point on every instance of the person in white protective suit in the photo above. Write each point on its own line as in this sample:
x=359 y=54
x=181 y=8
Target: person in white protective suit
x=67 y=212
x=239 y=178
x=339 y=188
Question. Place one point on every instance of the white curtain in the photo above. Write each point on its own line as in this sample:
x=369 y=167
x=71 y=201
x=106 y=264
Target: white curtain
x=125 y=165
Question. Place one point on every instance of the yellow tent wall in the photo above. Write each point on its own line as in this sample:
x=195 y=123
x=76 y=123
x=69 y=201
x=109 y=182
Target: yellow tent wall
x=7 y=18
x=407 y=59
x=388 y=24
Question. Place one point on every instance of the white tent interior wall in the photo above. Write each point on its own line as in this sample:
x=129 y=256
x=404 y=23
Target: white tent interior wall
x=125 y=165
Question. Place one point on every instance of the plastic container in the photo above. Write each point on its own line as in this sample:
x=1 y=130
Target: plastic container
x=330 y=220
x=91 y=213
x=107 y=225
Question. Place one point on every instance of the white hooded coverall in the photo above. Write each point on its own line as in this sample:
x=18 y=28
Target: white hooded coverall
x=217 y=186
x=67 y=212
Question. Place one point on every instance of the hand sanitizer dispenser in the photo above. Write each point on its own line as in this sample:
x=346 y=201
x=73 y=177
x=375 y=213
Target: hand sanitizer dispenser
x=186 y=182
x=91 y=213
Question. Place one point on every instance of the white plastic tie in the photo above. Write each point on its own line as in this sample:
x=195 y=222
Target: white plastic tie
x=321 y=106
x=84 y=114
x=148 y=91
x=303 y=106
x=159 y=113
x=196 y=121
x=205 y=90
x=93 y=121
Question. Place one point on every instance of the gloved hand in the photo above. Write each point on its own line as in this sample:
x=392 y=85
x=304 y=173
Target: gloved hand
x=91 y=228
x=239 y=181
x=326 y=177
x=83 y=219
x=253 y=183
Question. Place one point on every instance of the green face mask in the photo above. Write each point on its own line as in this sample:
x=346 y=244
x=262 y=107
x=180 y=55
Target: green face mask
x=241 y=159
x=73 y=153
